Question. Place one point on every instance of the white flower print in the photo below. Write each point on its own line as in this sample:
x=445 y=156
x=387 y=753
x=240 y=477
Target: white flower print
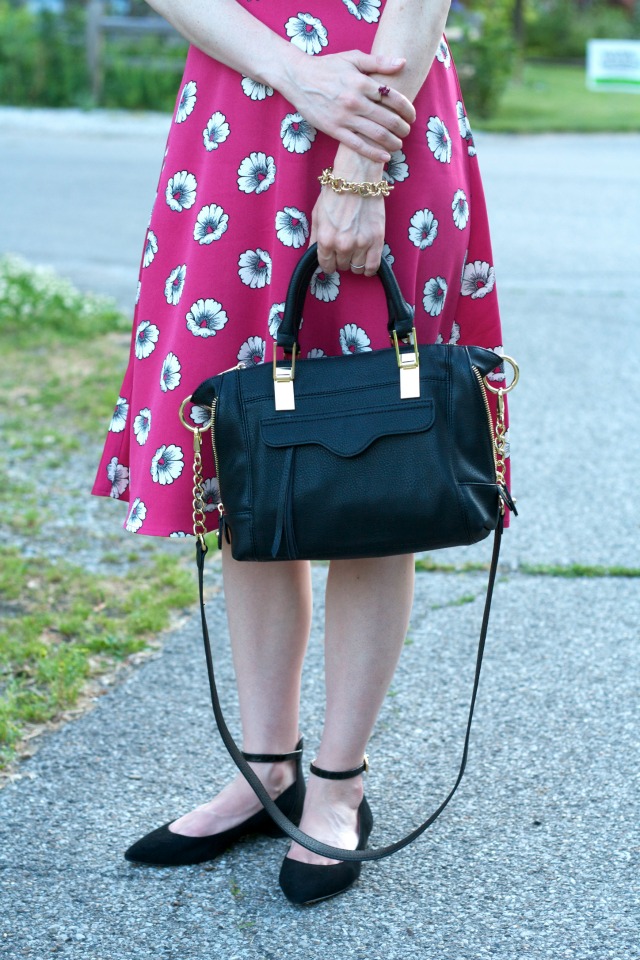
x=211 y=223
x=507 y=444
x=439 y=140
x=465 y=128
x=167 y=464
x=255 y=90
x=175 y=284
x=368 y=10
x=275 y=318
x=211 y=495
x=498 y=375
x=200 y=415
x=120 y=414
x=205 y=318
x=181 y=191
x=252 y=351
x=460 y=207
x=435 y=292
x=396 y=170
x=150 y=249
x=187 y=101
x=478 y=279
x=292 y=227
x=179 y=535
x=325 y=286
x=118 y=477
x=216 y=131
x=136 y=516
x=255 y=268
x=256 y=173
x=307 y=33
x=442 y=53
x=316 y=354
x=142 y=426
x=297 y=135
x=170 y=375
x=353 y=339
x=424 y=228
x=388 y=256
x=454 y=336
x=146 y=338
x=138 y=292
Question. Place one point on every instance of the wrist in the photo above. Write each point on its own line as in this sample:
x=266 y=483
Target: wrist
x=353 y=166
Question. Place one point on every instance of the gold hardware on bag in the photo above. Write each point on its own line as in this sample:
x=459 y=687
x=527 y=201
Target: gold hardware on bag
x=500 y=442
x=199 y=525
x=283 y=378
x=409 y=366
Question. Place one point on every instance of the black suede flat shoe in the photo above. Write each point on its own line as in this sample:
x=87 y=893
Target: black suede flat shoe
x=307 y=883
x=163 y=848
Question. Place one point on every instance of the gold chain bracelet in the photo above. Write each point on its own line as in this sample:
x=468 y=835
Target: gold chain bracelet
x=366 y=189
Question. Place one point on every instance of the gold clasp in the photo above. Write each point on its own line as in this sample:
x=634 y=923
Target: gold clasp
x=409 y=366
x=516 y=377
x=283 y=378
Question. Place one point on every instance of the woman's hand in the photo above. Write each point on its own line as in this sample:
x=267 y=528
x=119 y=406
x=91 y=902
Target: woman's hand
x=349 y=229
x=335 y=95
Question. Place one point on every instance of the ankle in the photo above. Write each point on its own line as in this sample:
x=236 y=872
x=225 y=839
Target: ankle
x=276 y=777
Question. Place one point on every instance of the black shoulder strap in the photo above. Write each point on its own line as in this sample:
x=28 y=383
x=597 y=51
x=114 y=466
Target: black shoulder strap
x=323 y=849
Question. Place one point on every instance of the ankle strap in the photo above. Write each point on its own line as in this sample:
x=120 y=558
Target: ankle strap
x=274 y=757
x=341 y=774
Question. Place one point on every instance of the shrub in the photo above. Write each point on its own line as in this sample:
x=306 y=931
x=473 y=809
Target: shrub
x=485 y=54
x=559 y=30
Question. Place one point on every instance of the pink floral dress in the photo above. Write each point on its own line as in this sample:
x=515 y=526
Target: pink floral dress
x=231 y=218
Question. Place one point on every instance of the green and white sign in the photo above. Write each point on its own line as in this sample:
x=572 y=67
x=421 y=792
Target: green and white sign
x=613 y=65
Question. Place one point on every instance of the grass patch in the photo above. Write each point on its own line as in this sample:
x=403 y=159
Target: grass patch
x=553 y=98
x=429 y=565
x=577 y=570
x=60 y=626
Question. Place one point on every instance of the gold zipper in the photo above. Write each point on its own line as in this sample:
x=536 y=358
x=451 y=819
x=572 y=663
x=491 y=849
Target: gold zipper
x=489 y=417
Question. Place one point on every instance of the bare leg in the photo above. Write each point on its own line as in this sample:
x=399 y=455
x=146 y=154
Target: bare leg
x=368 y=606
x=269 y=611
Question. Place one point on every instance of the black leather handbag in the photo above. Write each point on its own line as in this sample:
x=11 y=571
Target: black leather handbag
x=380 y=453
x=384 y=452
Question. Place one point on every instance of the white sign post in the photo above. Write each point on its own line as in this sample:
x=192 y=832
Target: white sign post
x=613 y=65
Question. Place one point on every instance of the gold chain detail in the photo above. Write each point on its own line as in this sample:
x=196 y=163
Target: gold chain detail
x=368 y=188
x=500 y=441
x=199 y=525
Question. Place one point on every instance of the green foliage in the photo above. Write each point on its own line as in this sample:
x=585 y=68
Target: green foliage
x=42 y=58
x=484 y=50
x=43 y=63
x=559 y=29
x=33 y=297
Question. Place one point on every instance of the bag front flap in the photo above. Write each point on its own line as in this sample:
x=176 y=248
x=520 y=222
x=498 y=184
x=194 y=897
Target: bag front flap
x=348 y=432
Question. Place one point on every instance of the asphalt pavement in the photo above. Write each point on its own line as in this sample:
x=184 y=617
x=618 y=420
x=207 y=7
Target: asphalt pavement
x=537 y=855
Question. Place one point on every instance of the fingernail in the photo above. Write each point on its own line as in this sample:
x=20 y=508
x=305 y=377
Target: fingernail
x=397 y=62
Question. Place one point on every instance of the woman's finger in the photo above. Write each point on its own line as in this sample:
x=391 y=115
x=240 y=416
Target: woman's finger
x=396 y=103
x=358 y=260
x=374 y=256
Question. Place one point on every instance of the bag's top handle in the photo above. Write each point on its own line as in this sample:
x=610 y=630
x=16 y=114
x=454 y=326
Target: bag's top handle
x=401 y=314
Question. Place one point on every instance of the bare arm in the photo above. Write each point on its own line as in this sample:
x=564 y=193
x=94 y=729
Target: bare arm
x=350 y=229
x=332 y=92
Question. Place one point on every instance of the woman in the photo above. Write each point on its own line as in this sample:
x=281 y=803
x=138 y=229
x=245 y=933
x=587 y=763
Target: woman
x=273 y=94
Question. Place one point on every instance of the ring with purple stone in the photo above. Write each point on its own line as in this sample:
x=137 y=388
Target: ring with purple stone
x=384 y=91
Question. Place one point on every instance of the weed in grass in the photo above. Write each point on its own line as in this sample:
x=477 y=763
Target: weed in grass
x=457 y=602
